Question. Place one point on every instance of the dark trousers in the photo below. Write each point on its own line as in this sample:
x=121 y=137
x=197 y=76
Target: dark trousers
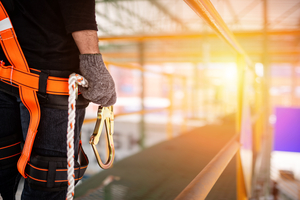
x=50 y=141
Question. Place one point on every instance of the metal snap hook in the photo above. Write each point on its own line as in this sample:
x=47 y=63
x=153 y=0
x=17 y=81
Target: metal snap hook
x=105 y=117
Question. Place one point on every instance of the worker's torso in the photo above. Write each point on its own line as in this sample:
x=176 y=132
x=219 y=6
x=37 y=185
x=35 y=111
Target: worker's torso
x=44 y=30
x=44 y=27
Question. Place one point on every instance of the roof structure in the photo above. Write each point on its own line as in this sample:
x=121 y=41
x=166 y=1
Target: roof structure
x=172 y=31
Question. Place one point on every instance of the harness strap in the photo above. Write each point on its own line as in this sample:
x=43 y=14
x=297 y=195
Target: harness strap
x=15 y=56
x=55 y=85
x=50 y=173
x=10 y=150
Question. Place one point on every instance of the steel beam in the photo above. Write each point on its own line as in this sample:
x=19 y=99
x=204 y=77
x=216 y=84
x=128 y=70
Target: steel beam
x=197 y=35
x=159 y=6
x=247 y=9
x=267 y=149
x=232 y=11
x=207 y=11
x=133 y=14
x=186 y=54
x=283 y=16
x=159 y=61
x=113 y=21
x=169 y=14
x=141 y=52
x=105 y=1
x=103 y=30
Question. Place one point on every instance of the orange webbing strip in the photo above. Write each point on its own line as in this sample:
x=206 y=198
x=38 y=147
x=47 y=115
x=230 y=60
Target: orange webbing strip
x=10 y=156
x=10 y=145
x=15 y=56
x=55 y=85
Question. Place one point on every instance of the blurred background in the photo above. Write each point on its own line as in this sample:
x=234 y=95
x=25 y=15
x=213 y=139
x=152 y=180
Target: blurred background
x=176 y=70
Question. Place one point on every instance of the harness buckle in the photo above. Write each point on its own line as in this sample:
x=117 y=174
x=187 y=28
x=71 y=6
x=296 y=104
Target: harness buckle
x=1 y=65
x=105 y=117
x=11 y=75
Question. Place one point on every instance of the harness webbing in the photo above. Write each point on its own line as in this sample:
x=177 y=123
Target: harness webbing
x=15 y=56
x=50 y=173
x=10 y=150
x=54 y=85
x=19 y=75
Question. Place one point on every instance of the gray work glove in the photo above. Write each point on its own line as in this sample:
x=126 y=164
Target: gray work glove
x=101 y=89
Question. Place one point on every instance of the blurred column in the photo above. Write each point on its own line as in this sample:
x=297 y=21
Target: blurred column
x=241 y=67
x=267 y=135
x=171 y=107
x=207 y=103
x=184 y=105
x=294 y=86
x=257 y=133
x=141 y=50
x=195 y=93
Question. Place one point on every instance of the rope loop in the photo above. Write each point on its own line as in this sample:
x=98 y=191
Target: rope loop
x=74 y=81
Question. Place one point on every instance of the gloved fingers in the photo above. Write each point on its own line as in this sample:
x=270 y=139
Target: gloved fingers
x=108 y=100
x=101 y=88
x=102 y=98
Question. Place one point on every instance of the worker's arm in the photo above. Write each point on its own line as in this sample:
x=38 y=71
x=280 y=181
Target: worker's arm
x=86 y=41
x=101 y=88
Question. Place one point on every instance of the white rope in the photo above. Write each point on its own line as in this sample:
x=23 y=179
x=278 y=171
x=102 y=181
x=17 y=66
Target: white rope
x=74 y=79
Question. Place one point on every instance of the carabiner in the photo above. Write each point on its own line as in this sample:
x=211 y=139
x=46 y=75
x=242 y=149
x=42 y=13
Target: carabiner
x=105 y=116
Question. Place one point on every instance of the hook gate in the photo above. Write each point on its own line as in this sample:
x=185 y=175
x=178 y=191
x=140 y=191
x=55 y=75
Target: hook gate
x=105 y=117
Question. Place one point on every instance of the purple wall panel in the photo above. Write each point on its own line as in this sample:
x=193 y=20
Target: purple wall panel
x=287 y=129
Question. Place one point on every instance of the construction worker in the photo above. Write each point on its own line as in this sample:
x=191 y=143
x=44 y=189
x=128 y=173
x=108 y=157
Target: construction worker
x=57 y=38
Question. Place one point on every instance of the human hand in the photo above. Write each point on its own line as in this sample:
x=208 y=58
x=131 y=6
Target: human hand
x=101 y=89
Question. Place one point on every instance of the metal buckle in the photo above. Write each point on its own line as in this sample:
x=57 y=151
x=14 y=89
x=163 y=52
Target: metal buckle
x=11 y=75
x=106 y=117
x=1 y=65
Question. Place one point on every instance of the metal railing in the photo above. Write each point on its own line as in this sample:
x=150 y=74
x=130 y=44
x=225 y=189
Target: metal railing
x=206 y=10
x=171 y=108
x=205 y=180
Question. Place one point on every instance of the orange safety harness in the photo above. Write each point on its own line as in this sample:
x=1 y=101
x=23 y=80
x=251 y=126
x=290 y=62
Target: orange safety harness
x=19 y=74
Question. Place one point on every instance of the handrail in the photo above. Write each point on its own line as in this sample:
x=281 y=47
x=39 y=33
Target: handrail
x=135 y=67
x=199 y=188
x=132 y=66
x=147 y=111
x=205 y=180
x=169 y=108
x=206 y=10
x=129 y=113
x=192 y=35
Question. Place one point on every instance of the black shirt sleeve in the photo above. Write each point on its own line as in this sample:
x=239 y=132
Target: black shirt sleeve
x=78 y=15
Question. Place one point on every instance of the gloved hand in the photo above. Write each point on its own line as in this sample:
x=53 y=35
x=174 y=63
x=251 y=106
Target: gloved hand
x=101 y=89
